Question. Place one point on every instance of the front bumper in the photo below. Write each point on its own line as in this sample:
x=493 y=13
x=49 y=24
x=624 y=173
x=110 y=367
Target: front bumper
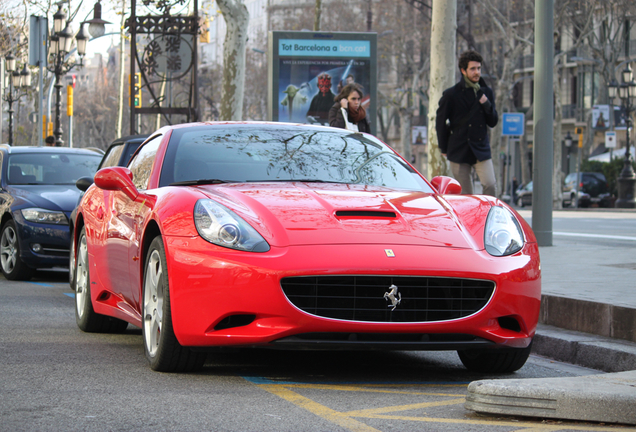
x=53 y=241
x=222 y=298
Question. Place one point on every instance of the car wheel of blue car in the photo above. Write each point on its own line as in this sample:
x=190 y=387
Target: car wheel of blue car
x=163 y=351
x=12 y=266
x=494 y=360
x=71 y=264
x=85 y=316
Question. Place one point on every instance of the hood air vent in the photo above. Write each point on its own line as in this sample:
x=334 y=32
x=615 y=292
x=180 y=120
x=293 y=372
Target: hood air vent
x=365 y=213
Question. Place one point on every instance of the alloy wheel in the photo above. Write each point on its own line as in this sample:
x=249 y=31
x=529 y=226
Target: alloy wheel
x=153 y=303
x=81 y=276
x=8 y=249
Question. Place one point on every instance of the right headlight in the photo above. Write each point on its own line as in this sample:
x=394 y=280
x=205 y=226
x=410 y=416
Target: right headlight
x=502 y=235
x=221 y=226
x=44 y=216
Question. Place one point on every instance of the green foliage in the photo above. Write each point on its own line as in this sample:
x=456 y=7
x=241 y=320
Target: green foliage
x=611 y=170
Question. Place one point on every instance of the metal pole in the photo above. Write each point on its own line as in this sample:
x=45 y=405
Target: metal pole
x=132 y=25
x=58 y=105
x=43 y=31
x=10 y=101
x=543 y=148
x=578 y=177
x=508 y=186
x=70 y=131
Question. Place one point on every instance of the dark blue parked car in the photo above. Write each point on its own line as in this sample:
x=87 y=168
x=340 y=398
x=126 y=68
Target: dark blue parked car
x=37 y=195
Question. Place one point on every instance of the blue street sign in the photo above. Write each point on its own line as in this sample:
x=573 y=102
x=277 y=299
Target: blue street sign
x=513 y=124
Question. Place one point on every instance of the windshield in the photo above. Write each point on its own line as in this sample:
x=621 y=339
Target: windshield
x=264 y=153
x=50 y=168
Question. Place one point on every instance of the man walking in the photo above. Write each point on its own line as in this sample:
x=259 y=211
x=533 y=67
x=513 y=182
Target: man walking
x=465 y=112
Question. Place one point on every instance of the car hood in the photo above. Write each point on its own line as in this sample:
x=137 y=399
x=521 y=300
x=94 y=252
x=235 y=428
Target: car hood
x=51 y=197
x=310 y=213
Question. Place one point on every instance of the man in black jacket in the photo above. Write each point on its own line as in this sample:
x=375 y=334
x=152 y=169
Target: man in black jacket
x=464 y=114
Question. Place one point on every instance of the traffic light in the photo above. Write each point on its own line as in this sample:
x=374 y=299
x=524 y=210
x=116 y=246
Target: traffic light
x=137 y=90
x=579 y=132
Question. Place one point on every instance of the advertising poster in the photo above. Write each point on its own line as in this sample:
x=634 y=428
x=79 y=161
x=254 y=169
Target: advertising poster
x=308 y=69
x=419 y=135
x=600 y=117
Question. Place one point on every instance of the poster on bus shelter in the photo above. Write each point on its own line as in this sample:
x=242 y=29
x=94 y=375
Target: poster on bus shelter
x=308 y=69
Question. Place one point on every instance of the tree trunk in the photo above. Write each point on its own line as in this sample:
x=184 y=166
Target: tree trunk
x=122 y=73
x=236 y=18
x=443 y=66
x=557 y=137
x=317 y=14
x=406 y=116
x=526 y=172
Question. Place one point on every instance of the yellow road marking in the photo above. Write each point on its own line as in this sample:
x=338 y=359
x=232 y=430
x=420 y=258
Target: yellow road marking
x=372 y=411
x=357 y=388
x=318 y=409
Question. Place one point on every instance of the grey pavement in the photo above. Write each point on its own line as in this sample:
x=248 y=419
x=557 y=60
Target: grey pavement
x=588 y=318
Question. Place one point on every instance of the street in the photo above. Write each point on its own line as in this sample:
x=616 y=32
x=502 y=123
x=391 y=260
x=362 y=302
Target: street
x=55 y=377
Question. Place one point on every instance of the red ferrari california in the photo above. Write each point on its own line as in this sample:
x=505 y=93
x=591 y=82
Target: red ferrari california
x=291 y=236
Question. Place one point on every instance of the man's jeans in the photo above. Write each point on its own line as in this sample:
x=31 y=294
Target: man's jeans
x=485 y=171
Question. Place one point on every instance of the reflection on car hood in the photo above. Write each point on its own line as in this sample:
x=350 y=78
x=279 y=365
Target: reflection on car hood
x=311 y=213
x=51 y=197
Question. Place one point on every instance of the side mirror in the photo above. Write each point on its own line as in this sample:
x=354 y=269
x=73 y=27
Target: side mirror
x=84 y=183
x=446 y=185
x=116 y=179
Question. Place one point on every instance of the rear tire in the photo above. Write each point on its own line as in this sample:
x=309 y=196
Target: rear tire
x=163 y=350
x=12 y=266
x=495 y=361
x=85 y=316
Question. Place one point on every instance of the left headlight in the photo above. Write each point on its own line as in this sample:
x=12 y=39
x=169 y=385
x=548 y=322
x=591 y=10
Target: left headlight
x=221 y=226
x=503 y=235
x=44 y=216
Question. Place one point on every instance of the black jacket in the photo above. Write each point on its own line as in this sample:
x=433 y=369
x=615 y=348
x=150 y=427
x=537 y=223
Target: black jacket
x=466 y=140
x=336 y=119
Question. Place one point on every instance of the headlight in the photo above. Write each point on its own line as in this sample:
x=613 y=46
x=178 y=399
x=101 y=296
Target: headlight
x=44 y=216
x=503 y=235
x=221 y=226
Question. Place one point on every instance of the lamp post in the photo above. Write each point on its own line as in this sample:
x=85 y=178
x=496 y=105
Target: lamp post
x=568 y=145
x=60 y=43
x=18 y=81
x=626 y=92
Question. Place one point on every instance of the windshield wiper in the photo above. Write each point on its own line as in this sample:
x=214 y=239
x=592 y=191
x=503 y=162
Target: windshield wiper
x=200 y=182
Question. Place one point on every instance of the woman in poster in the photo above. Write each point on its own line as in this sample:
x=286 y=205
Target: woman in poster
x=348 y=102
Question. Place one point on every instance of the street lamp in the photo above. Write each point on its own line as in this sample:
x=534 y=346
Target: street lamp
x=18 y=81
x=626 y=92
x=60 y=43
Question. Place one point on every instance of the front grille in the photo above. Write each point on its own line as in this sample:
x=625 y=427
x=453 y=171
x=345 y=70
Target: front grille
x=362 y=298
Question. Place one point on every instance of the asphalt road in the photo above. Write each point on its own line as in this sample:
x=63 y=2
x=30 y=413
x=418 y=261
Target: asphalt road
x=55 y=377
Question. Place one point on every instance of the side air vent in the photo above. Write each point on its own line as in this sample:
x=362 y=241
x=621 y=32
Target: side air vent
x=234 y=321
x=365 y=213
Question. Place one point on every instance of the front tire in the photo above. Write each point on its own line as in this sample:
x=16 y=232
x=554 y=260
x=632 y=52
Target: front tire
x=71 y=264
x=495 y=361
x=12 y=266
x=163 y=350
x=85 y=316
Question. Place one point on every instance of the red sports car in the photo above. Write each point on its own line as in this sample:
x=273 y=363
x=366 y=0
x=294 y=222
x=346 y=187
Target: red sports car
x=294 y=236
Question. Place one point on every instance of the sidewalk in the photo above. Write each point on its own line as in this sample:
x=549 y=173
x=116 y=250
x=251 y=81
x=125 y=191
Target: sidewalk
x=588 y=318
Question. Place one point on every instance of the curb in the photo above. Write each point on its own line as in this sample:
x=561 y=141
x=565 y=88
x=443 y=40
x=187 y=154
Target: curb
x=611 y=321
x=582 y=349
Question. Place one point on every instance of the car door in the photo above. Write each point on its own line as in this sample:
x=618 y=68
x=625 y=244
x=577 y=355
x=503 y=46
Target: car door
x=123 y=230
